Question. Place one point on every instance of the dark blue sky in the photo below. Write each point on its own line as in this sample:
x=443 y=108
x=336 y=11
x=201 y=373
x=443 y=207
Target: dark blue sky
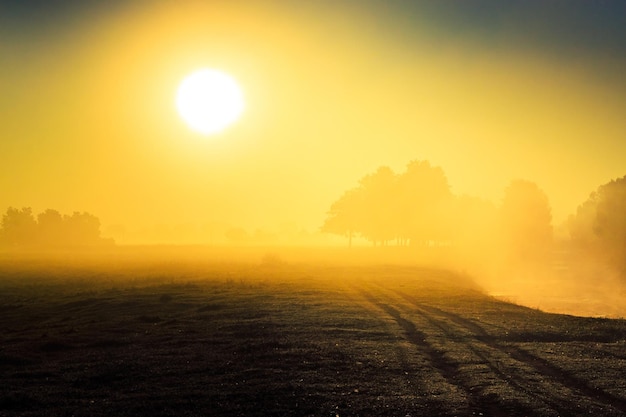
x=590 y=33
x=597 y=26
x=581 y=29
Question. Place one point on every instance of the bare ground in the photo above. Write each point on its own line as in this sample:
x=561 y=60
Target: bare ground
x=270 y=340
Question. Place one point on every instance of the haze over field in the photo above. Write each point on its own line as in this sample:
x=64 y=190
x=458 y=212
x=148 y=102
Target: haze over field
x=490 y=91
x=292 y=207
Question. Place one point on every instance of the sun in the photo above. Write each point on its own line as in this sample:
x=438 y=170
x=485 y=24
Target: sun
x=209 y=100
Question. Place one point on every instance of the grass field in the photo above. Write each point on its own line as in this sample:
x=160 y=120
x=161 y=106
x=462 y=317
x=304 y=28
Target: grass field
x=184 y=337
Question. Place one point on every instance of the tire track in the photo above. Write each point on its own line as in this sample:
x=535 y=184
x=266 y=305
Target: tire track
x=541 y=366
x=475 y=404
x=437 y=396
x=435 y=405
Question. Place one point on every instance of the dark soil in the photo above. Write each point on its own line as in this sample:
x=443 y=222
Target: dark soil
x=289 y=340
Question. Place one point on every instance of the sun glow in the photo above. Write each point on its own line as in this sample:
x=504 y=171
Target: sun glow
x=209 y=101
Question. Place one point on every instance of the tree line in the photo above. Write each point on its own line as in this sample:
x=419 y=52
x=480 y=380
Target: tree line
x=417 y=208
x=21 y=229
x=598 y=228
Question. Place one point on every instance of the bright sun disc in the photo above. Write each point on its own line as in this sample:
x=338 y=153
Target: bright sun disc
x=209 y=100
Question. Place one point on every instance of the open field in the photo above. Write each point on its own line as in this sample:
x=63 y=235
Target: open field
x=269 y=338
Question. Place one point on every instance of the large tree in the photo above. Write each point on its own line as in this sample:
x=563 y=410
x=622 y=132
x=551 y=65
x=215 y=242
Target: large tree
x=345 y=216
x=414 y=207
x=424 y=204
x=378 y=211
x=599 y=226
x=82 y=229
x=19 y=227
x=51 y=228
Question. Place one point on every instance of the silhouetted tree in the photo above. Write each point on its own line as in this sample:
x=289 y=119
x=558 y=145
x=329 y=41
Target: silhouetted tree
x=378 y=212
x=425 y=205
x=526 y=220
x=82 y=229
x=415 y=207
x=599 y=225
x=51 y=228
x=19 y=227
x=346 y=215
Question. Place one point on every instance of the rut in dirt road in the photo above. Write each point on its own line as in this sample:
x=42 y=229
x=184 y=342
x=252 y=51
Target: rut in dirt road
x=496 y=379
x=541 y=365
x=474 y=403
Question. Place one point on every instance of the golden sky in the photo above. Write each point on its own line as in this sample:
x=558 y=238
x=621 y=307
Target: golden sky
x=333 y=90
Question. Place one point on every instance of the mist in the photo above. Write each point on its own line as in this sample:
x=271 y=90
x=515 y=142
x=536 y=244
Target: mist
x=510 y=248
x=402 y=133
x=292 y=207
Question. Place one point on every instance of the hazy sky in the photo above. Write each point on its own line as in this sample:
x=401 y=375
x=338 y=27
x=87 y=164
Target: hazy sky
x=488 y=90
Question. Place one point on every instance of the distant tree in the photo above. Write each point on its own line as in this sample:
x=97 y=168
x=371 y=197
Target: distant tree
x=82 y=229
x=526 y=220
x=345 y=216
x=51 y=228
x=378 y=217
x=19 y=227
x=581 y=225
x=599 y=225
x=415 y=207
x=425 y=204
